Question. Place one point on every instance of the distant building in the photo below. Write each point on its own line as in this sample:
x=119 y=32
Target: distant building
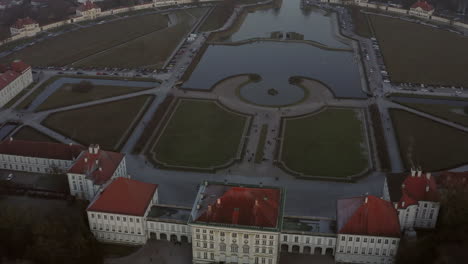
x=94 y=168
x=118 y=213
x=13 y=79
x=421 y=9
x=236 y=224
x=88 y=10
x=26 y=27
x=449 y=180
x=416 y=198
x=368 y=230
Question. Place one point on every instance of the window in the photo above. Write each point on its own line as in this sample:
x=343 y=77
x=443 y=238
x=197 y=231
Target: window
x=307 y=240
x=365 y=240
x=257 y=242
x=357 y=239
x=204 y=231
x=198 y=244
x=377 y=251
x=245 y=249
x=330 y=242
x=263 y=242
x=205 y=245
x=197 y=236
x=263 y=250
x=355 y=250
x=211 y=231
x=271 y=242
x=211 y=238
x=246 y=236
x=257 y=236
x=138 y=220
x=319 y=241
x=204 y=237
x=256 y=250
x=285 y=238
x=384 y=252
x=270 y=251
x=350 y=239
x=222 y=247
x=105 y=217
x=363 y=251
x=370 y=251
x=111 y=217
x=197 y=230
x=92 y=215
x=234 y=248
x=211 y=245
x=264 y=236
x=222 y=234
x=256 y=260
x=391 y=252
x=372 y=240
x=118 y=218
x=348 y=250
x=99 y=216
x=393 y=242
x=271 y=237
x=341 y=249
x=386 y=241
x=211 y=255
x=343 y=238
x=205 y=255
x=131 y=220
x=124 y=219
x=234 y=235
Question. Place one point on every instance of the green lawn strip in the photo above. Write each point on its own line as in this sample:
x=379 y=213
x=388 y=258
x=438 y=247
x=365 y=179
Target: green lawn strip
x=53 y=182
x=424 y=96
x=65 y=96
x=200 y=134
x=452 y=113
x=421 y=54
x=429 y=144
x=29 y=133
x=328 y=144
x=104 y=124
x=72 y=46
x=28 y=100
x=261 y=144
x=150 y=51
x=20 y=95
x=361 y=24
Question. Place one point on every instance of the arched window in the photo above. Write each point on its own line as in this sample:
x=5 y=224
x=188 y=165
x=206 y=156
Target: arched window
x=234 y=248
x=222 y=247
x=246 y=249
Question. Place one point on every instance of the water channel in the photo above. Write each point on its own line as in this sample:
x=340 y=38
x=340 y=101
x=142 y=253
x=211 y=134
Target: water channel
x=277 y=61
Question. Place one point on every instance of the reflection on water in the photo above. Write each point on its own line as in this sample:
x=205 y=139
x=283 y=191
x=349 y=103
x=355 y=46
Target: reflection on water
x=314 y=24
x=275 y=62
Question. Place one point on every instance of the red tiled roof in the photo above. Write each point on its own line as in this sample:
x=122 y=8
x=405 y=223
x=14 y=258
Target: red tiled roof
x=19 y=66
x=22 y=22
x=423 y=5
x=124 y=196
x=449 y=179
x=418 y=188
x=98 y=167
x=245 y=206
x=376 y=217
x=88 y=5
x=47 y=150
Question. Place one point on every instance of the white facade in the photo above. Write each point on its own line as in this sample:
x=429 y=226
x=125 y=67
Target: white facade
x=418 y=11
x=233 y=245
x=120 y=228
x=308 y=244
x=90 y=13
x=15 y=87
x=28 y=30
x=168 y=231
x=366 y=249
x=32 y=164
x=84 y=188
x=421 y=215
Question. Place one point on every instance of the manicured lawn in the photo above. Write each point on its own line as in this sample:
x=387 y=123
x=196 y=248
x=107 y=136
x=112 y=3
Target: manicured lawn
x=65 y=96
x=361 y=25
x=421 y=54
x=451 y=113
x=200 y=134
x=429 y=144
x=104 y=124
x=150 y=51
x=29 y=133
x=72 y=46
x=329 y=144
x=261 y=144
x=28 y=100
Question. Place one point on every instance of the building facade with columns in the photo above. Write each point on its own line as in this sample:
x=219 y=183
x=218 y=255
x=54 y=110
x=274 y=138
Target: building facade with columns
x=368 y=230
x=93 y=169
x=88 y=10
x=416 y=198
x=26 y=27
x=118 y=212
x=13 y=79
x=236 y=223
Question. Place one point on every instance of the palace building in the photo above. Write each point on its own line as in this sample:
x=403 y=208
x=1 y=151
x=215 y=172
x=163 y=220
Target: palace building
x=13 y=79
x=416 y=198
x=26 y=27
x=88 y=10
x=421 y=9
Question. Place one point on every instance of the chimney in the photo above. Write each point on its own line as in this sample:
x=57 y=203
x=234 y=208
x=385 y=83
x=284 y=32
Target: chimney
x=70 y=144
x=403 y=204
x=427 y=188
x=396 y=205
x=96 y=149
x=419 y=172
x=235 y=216
x=11 y=139
x=428 y=175
x=97 y=162
x=90 y=149
x=365 y=201
x=413 y=172
x=100 y=168
x=210 y=211
x=256 y=203
x=86 y=160
x=403 y=186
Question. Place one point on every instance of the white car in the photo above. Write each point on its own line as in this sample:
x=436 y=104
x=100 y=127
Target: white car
x=10 y=177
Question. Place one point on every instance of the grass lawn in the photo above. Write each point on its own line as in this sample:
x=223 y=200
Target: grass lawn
x=200 y=134
x=20 y=95
x=451 y=113
x=104 y=124
x=261 y=144
x=429 y=144
x=329 y=143
x=72 y=46
x=149 y=51
x=29 y=133
x=421 y=54
x=361 y=24
x=217 y=18
x=117 y=251
x=28 y=100
x=65 y=96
